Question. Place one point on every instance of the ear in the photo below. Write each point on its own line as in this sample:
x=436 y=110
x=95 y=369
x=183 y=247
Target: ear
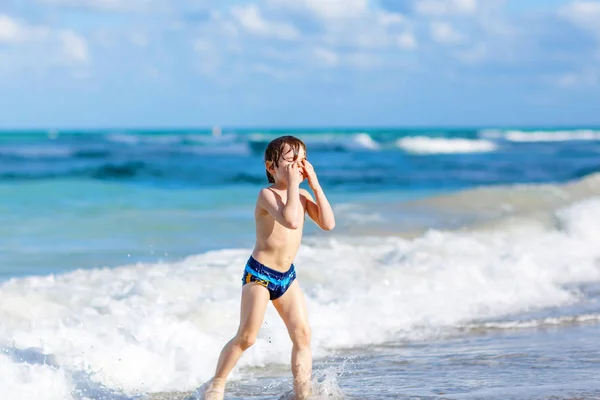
x=269 y=166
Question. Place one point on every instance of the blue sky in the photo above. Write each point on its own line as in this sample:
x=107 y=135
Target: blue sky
x=195 y=63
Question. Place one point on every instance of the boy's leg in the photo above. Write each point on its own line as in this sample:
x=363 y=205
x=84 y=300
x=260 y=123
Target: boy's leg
x=292 y=309
x=255 y=299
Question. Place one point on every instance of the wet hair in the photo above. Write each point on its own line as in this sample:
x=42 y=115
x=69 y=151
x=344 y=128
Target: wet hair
x=275 y=150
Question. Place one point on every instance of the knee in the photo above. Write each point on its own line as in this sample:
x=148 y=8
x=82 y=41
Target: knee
x=301 y=336
x=245 y=340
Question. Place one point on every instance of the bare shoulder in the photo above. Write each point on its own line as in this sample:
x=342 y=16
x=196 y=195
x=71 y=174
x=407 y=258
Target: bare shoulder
x=267 y=199
x=264 y=195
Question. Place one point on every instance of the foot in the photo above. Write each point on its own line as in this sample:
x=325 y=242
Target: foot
x=215 y=390
x=302 y=390
x=214 y=394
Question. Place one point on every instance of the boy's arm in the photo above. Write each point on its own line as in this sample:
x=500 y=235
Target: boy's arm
x=319 y=211
x=290 y=214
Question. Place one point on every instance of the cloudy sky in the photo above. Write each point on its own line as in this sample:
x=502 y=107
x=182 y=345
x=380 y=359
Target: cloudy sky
x=192 y=63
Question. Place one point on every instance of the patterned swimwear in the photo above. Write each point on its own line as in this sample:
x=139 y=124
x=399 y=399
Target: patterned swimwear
x=276 y=282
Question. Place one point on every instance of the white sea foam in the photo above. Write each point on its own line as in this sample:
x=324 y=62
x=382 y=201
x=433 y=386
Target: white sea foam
x=23 y=380
x=542 y=136
x=123 y=138
x=126 y=138
x=428 y=145
x=357 y=141
x=535 y=323
x=357 y=213
x=160 y=327
x=364 y=141
x=327 y=141
x=325 y=387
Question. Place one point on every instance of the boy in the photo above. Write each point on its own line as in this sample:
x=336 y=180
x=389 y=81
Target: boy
x=270 y=273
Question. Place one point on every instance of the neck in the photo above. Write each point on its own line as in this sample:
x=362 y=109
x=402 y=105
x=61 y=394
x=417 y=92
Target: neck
x=279 y=185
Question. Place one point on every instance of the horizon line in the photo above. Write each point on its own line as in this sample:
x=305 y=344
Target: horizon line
x=224 y=128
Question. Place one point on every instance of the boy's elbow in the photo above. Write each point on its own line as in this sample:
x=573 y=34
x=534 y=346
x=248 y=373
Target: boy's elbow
x=329 y=226
x=293 y=225
x=292 y=220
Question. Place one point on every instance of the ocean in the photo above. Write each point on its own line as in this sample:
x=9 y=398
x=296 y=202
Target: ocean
x=465 y=263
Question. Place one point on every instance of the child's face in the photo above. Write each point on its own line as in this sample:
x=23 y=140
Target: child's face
x=286 y=158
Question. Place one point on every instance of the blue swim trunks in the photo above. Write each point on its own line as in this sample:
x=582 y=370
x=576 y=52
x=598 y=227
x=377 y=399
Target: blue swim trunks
x=276 y=282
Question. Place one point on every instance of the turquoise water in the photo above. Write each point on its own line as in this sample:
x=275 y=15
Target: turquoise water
x=103 y=198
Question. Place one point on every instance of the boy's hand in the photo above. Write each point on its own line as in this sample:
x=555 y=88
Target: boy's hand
x=310 y=173
x=294 y=174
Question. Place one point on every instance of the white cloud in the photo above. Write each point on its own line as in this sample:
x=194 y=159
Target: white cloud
x=445 y=7
x=359 y=34
x=357 y=25
x=407 y=41
x=111 y=5
x=374 y=30
x=388 y=19
x=337 y=8
x=444 y=33
x=352 y=34
x=74 y=47
x=327 y=9
x=250 y=19
x=71 y=47
x=96 y=4
x=585 y=14
x=364 y=61
x=14 y=31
